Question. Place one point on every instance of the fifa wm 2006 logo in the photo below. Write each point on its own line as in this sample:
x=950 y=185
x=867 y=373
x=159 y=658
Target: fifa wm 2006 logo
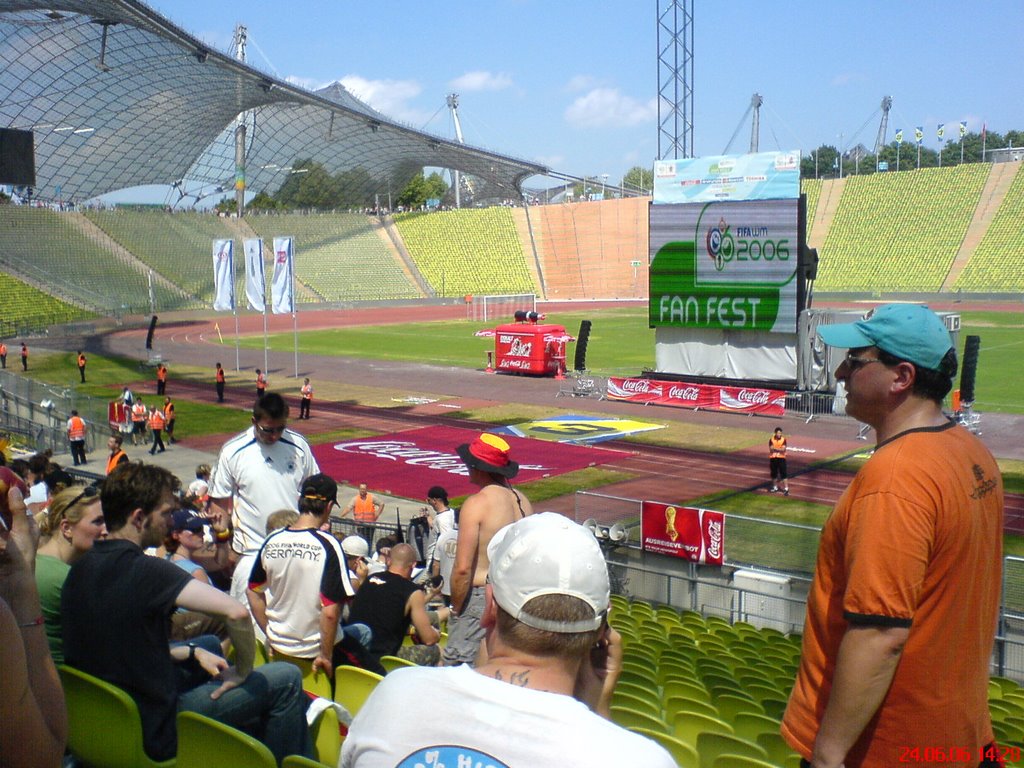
x=720 y=244
x=748 y=244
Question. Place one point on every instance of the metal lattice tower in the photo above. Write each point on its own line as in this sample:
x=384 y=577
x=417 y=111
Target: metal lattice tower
x=675 y=79
x=883 y=126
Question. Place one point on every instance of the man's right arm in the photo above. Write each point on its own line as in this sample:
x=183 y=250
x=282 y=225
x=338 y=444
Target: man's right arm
x=207 y=599
x=466 y=552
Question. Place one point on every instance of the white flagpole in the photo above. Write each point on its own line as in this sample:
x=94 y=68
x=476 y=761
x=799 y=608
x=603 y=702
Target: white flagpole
x=234 y=310
x=295 y=315
x=266 y=308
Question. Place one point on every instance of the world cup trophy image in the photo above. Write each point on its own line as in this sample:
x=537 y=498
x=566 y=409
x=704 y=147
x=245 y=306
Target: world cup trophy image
x=670 y=524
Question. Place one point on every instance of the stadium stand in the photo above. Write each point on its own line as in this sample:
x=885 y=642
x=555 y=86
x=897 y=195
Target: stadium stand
x=177 y=245
x=997 y=263
x=811 y=188
x=467 y=252
x=27 y=309
x=49 y=249
x=721 y=688
x=589 y=250
x=900 y=232
x=341 y=256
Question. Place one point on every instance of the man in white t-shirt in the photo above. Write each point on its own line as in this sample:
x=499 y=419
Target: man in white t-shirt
x=543 y=696
x=444 y=558
x=304 y=569
x=258 y=473
x=442 y=517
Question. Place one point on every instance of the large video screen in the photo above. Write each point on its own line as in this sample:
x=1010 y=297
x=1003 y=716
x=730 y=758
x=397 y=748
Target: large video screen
x=724 y=265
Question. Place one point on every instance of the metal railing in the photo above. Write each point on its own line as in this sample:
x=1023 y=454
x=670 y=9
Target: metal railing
x=37 y=413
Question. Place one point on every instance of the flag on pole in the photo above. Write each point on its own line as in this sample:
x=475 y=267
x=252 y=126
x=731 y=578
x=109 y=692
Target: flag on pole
x=940 y=130
x=919 y=134
x=963 y=128
x=899 y=135
x=255 y=277
x=223 y=276
x=282 y=295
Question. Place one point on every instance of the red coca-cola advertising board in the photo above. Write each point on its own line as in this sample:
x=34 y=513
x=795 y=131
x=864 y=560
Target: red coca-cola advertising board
x=767 y=402
x=686 y=532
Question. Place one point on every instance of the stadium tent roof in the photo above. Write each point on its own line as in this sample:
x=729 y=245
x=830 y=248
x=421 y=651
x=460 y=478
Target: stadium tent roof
x=118 y=96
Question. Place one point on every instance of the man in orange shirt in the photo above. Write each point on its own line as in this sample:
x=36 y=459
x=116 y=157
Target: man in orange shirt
x=364 y=509
x=24 y=356
x=307 y=399
x=117 y=454
x=81 y=365
x=901 y=615
x=161 y=379
x=3 y=355
x=261 y=384
x=777 y=461
x=157 y=421
x=76 y=438
x=169 y=420
x=219 y=374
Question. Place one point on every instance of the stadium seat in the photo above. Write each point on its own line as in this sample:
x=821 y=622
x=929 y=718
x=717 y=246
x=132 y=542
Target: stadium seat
x=710 y=745
x=684 y=755
x=204 y=742
x=391 y=663
x=326 y=737
x=729 y=706
x=740 y=761
x=673 y=705
x=750 y=725
x=298 y=761
x=644 y=704
x=352 y=686
x=688 y=725
x=104 y=727
x=316 y=682
x=631 y=718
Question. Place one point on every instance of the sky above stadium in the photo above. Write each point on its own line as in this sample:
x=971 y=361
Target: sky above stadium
x=573 y=84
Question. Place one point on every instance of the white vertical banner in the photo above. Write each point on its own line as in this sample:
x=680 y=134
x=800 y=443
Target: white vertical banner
x=282 y=291
x=255 y=276
x=223 y=276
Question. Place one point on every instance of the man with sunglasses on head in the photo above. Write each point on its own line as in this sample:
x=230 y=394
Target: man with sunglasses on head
x=259 y=471
x=901 y=615
x=116 y=605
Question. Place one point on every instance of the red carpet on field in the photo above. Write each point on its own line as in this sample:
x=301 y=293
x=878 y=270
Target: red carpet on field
x=408 y=463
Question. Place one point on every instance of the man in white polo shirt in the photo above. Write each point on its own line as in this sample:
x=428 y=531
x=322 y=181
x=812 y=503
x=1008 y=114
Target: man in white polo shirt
x=259 y=472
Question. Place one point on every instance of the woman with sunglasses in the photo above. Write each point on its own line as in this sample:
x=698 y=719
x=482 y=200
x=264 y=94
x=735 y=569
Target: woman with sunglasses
x=72 y=524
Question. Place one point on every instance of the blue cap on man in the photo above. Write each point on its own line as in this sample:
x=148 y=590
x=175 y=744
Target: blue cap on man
x=910 y=332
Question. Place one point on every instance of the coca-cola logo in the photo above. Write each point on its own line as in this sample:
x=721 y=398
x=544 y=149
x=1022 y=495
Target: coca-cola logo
x=407 y=452
x=641 y=386
x=714 y=539
x=754 y=396
x=684 y=393
x=518 y=348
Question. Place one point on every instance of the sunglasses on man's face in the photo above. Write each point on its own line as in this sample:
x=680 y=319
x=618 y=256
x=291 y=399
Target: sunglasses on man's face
x=270 y=430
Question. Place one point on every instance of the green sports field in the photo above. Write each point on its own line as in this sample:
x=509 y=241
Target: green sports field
x=621 y=343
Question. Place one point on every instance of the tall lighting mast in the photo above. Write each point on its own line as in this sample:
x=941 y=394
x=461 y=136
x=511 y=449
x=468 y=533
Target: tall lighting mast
x=675 y=79
x=452 y=100
x=241 y=35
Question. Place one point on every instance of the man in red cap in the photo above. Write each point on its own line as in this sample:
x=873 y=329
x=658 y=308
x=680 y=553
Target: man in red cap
x=483 y=514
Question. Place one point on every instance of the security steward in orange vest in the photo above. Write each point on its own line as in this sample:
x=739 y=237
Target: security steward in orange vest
x=161 y=379
x=220 y=383
x=169 y=420
x=81 y=365
x=261 y=383
x=3 y=355
x=777 y=461
x=157 y=420
x=76 y=438
x=139 y=416
x=117 y=455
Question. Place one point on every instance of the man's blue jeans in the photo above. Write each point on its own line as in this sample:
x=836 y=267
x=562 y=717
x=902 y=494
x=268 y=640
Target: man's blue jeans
x=270 y=705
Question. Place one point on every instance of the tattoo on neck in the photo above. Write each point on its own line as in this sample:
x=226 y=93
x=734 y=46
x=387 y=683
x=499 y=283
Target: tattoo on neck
x=522 y=679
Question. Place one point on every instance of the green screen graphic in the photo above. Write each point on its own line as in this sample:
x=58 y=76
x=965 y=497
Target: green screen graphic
x=729 y=265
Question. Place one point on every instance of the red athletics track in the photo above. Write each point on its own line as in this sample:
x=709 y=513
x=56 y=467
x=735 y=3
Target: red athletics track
x=662 y=473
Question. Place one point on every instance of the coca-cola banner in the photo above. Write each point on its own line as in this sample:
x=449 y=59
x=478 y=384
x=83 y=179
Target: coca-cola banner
x=768 y=402
x=686 y=532
x=410 y=462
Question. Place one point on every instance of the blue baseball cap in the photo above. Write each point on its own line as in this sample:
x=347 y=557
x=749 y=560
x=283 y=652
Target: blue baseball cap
x=910 y=332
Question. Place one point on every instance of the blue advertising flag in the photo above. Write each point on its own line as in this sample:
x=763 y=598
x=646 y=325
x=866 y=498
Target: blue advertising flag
x=963 y=128
x=919 y=134
x=940 y=130
x=899 y=135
